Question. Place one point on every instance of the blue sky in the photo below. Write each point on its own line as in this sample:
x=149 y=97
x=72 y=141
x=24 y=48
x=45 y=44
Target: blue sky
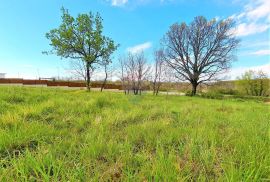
x=135 y=24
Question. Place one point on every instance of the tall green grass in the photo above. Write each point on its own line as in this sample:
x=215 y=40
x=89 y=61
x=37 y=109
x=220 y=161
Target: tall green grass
x=60 y=135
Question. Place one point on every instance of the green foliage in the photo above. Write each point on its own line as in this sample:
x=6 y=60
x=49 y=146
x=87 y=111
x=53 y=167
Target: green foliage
x=223 y=87
x=254 y=83
x=82 y=38
x=225 y=91
x=212 y=95
x=72 y=135
x=188 y=93
x=238 y=97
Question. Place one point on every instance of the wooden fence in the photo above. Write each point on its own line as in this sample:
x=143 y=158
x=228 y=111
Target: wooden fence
x=55 y=83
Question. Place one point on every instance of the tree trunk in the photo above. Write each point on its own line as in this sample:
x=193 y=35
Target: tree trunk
x=194 y=89
x=154 y=87
x=104 y=83
x=105 y=80
x=135 y=91
x=157 y=89
x=88 y=76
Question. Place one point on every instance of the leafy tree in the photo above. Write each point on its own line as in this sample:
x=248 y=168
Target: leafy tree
x=198 y=52
x=81 y=38
x=254 y=83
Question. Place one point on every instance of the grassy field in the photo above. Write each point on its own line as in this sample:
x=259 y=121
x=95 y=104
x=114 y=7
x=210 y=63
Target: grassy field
x=60 y=135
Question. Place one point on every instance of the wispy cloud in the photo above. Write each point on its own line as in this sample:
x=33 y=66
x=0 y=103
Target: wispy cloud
x=261 y=52
x=118 y=2
x=258 y=9
x=165 y=1
x=139 y=48
x=254 y=19
x=135 y=3
x=245 y=29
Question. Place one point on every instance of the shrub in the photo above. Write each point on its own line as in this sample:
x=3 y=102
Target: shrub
x=254 y=83
x=223 y=87
x=227 y=91
x=188 y=93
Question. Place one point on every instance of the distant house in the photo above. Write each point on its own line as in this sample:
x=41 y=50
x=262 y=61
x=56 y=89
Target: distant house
x=2 y=75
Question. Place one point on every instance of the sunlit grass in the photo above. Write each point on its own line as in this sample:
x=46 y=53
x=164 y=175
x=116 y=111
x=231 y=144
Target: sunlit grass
x=60 y=135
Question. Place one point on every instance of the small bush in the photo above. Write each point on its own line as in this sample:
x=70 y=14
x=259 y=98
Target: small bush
x=188 y=93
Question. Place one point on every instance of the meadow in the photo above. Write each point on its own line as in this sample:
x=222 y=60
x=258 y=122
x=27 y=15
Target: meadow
x=60 y=135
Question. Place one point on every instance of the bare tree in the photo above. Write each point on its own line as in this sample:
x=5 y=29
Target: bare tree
x=198 y=52
x=123 y=76
x=108 y=70
x=77 y=68
x=134 y=71
x=106 y=76
x=169 y=78
x=159 y=68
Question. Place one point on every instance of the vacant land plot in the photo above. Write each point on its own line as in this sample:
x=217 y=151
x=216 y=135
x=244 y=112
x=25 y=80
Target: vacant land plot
x=60 y=135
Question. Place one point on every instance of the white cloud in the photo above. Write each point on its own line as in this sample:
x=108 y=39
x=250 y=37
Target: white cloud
x=245 y=29
x=236 y=72
x=164 y=1
x=139 y=48
x=261 y=52
x=254 y=19
x=135 y=3
x=118 y=2
x=261 y=9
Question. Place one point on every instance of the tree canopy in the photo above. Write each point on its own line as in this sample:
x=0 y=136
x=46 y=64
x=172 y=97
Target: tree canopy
x=199 y=51
x=81 y=38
